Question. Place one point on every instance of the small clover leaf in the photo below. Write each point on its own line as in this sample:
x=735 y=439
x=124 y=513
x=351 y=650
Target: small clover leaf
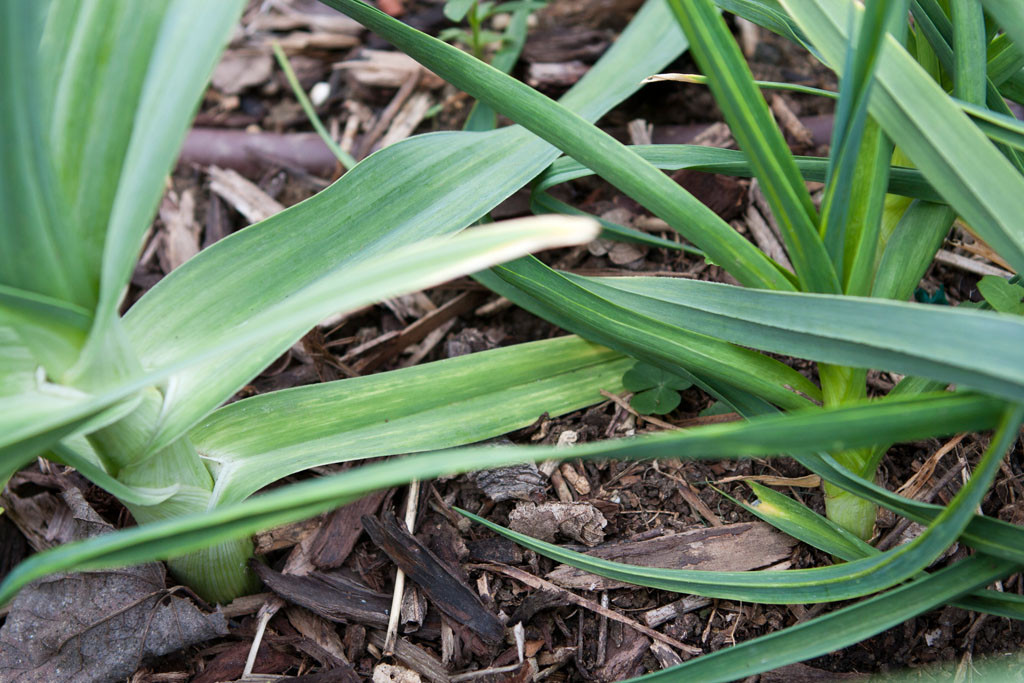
x=656 y=391
x=1002 y=295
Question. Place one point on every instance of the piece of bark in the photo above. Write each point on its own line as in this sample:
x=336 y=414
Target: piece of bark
x=180 y=233
x=579 y=521
x=724 y=195
x=416 y=658
x=229 y=664
x=318 y=630
x=97 y=625
x=328 y=23
x=13 y=547
x=338 y=536
x=659 y=615
x=386 y=69
x=243 y=194
x=495 y=549
x=515 y=482
x=241 y=69
x=555 y=74
x=285 y=536
x=624 y=660
x=414 y=609
x=562 y=46
x=439 y=581
x=733 y=547
x=330 y=596
x=665 y=655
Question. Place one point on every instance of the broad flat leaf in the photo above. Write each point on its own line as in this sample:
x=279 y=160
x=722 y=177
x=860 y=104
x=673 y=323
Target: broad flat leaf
x=802 y=432
x=140 y=105
x=30 y=427
x=427 y=185
x=37 y=256
x=952 y=153
x=254 y=442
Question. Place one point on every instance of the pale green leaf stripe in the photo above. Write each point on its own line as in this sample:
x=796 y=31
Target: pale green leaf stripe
x=750 y=121
x=838 y=629
x=586 y=143
x=35 y=253
x=840 y=429
x=182 y=59
x=420 y=265
x=103 y=59
x=802 y=523
x=956 y=157
x=853 y=331
x=437 y=184
x=254 y=442
x=902 y=181
x=654 y=338
x=868 y=574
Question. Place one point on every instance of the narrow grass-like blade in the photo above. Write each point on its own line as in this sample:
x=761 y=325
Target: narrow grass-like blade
x=984 y=534
x=1010 y=16
x=908 y=252
x=576 y=305
x=956 y=157
x=868 y=574
x=802 y=523
x=750 y=121
x=806 y=431
x=838 y=629
x=969 y=50
x=852 y=206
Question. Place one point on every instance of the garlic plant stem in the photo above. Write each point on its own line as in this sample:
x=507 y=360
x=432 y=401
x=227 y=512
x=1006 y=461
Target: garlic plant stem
x=396 y=599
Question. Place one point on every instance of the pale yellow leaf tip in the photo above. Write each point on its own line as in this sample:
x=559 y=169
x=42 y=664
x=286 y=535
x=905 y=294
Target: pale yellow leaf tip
x=680 y=78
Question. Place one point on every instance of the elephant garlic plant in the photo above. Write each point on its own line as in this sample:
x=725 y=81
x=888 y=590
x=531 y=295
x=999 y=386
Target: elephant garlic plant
x=922 y=136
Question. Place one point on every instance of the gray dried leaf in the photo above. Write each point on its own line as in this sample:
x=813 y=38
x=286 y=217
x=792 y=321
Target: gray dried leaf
x=98 y=625
x=579 y=521
x=516 y=482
